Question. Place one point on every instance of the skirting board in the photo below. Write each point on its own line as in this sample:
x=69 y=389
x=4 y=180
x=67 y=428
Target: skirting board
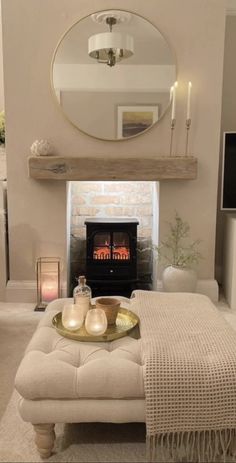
x=25 y=291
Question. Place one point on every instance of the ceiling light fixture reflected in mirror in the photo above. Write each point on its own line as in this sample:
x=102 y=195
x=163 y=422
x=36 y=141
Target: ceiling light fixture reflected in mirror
x=111 y=47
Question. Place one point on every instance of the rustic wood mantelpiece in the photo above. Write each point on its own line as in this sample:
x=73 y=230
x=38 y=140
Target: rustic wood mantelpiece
x=81 y=168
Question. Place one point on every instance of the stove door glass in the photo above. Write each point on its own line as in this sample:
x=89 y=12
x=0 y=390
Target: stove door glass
x=102 y=246
x=121 y=246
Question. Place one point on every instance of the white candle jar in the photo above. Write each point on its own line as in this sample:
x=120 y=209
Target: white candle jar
x=96 y=322
x=72 y=317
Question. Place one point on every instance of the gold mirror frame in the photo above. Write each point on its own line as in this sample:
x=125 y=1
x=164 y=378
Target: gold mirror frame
x=63 y=111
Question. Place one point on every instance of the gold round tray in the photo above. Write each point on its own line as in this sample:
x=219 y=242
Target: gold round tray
x=125 y=322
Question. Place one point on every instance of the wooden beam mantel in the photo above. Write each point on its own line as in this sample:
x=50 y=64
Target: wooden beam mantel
x=146 y=168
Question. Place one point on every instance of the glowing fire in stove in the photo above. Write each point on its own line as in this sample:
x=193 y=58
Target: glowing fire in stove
x=121 y=252
x=118 y=253
x=102 y=253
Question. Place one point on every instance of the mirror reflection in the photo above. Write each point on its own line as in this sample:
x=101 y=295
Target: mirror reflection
x=112 y=73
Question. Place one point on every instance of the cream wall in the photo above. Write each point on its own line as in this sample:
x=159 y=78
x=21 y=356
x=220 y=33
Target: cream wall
x=229 y=77
x=37 y=210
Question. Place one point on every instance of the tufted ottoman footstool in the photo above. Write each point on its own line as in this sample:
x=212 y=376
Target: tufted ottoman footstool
x=65 y=381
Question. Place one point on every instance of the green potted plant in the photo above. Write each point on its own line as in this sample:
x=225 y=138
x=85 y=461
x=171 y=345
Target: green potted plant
x=178 y=254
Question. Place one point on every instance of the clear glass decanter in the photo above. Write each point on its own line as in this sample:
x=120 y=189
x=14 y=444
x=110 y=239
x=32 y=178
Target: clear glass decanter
x=82 y=295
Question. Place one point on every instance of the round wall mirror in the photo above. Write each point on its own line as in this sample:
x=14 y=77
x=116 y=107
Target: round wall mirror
x=111 y=74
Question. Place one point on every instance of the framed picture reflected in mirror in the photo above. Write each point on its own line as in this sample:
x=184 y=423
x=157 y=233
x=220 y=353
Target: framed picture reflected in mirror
x=131 y=120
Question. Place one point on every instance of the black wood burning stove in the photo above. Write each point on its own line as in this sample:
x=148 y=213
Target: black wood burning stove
x=111 y=260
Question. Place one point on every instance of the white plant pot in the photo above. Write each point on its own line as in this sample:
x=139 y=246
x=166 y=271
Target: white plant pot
x=179 y=279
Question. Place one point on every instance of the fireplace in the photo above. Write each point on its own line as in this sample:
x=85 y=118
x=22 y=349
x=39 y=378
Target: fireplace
x=111 y=255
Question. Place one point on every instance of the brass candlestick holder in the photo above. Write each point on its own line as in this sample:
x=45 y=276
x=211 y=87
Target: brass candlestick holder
x=188 y=125
x=172 y=127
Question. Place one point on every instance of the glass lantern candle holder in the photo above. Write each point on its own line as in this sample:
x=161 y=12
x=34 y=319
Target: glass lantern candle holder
x=96 y=322
x=48 y=281
x=72 y=317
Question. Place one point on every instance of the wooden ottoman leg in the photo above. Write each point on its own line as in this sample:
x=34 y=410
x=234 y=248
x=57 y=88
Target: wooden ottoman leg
x=44 y=439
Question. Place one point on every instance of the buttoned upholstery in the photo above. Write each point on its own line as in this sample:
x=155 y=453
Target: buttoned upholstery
x=55 y=367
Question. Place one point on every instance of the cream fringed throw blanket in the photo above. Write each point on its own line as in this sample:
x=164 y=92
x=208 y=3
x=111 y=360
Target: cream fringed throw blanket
x=189 y=353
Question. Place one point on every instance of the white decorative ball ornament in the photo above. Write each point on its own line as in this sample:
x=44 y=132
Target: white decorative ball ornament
x=41 y=148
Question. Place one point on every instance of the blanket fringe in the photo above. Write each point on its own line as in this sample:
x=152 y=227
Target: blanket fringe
x=192 y=446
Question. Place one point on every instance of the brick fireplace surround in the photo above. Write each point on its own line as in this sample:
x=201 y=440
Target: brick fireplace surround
x=112 y=200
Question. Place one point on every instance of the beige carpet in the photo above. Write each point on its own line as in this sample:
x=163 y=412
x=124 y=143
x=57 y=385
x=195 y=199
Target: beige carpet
x=17 y=324
x=75 y=442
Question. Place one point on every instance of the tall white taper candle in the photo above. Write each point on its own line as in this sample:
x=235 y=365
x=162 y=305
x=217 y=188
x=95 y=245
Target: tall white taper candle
x=189 y=99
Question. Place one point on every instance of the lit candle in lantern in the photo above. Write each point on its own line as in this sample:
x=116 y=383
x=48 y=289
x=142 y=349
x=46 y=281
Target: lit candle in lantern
x=48 y=280
x=189 y=99
x=96 y=322
x=171 y=92
x=72 y=317
x=174 y=100
x=49 y=289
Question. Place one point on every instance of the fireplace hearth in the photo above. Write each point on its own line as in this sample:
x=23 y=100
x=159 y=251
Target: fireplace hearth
x=111 y=255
